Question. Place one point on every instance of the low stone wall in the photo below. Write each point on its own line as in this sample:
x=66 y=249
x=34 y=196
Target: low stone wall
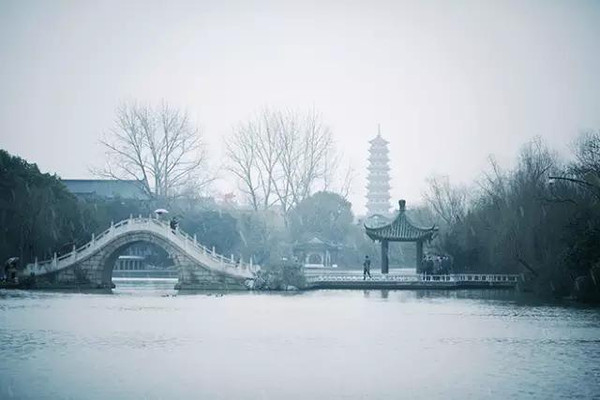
x=195 y=278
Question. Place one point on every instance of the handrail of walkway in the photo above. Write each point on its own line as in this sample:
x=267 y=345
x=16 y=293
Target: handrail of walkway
x=188 y=244
x=481 y=278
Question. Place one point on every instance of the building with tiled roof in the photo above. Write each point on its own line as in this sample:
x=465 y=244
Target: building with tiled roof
x=106 y=188
x=316 y=253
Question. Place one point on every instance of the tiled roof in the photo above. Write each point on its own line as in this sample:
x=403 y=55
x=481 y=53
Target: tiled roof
x=401 y=229
x=315 y=243
x=378 y=140
x=108 y=188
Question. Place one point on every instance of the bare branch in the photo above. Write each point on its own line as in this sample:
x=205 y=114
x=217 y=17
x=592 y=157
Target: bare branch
x=157 y=147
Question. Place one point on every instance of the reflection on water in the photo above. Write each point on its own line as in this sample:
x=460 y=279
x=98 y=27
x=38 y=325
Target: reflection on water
x=147 y=341
x=145 y=286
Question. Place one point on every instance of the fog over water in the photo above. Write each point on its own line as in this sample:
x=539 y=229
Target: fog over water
x=143 y=342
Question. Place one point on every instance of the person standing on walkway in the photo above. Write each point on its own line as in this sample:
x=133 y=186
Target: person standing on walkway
x=366 y=268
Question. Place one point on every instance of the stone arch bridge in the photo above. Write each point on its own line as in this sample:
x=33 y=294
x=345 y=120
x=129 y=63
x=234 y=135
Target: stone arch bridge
x=91 y=265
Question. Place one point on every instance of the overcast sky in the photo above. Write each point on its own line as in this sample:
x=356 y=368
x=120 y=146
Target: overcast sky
x=450 y=82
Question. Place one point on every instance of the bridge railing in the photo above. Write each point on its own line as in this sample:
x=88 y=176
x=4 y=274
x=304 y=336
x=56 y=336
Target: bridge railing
x=186 y=242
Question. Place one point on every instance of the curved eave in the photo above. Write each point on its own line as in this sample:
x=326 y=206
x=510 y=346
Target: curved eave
x=378 y=141
x=400 y=230
x=425 y=236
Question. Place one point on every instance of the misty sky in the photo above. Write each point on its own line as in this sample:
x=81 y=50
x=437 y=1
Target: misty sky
x=449 y=81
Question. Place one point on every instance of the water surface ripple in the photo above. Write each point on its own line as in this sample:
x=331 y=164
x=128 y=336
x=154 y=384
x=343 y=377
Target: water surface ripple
x=147 y=341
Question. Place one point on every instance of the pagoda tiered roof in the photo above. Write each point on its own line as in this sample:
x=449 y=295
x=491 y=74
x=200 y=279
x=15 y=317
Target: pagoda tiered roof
x=378 y=140
x=401 y=229
x=378 y=179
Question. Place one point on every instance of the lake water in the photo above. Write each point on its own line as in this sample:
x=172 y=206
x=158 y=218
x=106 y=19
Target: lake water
x=145 y=341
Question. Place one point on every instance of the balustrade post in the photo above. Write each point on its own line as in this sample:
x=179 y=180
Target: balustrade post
x=93 y=239
x=130 y=217
x=232 y=260
x=74 y=252
x=35 y=262
x=213 y=250
x=195 y=241
x=54 y=260
x=140 y=216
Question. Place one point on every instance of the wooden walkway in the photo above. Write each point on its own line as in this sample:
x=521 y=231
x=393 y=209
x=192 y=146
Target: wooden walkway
x=354 y=280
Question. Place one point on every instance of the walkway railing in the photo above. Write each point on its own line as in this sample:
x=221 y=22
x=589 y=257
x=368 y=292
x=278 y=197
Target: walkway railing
x=456 y=278
x=186 y=243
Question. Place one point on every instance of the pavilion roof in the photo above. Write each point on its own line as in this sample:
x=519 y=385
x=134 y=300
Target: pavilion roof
x=401 y=229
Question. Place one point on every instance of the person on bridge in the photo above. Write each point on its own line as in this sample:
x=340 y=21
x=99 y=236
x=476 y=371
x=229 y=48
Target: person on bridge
x=366 y=268
x=174 y=224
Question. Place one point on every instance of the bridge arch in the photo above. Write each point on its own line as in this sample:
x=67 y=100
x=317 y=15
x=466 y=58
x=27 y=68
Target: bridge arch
x=114 y=249
x=92 y=264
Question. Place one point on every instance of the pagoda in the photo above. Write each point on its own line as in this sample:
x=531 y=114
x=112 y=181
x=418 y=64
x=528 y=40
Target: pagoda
x=378 y=186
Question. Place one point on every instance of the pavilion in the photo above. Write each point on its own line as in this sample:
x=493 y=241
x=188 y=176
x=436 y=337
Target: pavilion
x=316 y=253
x=401 y=229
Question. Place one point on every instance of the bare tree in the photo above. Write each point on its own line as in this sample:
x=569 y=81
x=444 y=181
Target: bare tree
x=316 y=149
x=587 y=165
x=243 y=162
x=158 y=147
x=587 y=153
x=347 y=181
x=307 y=151
x=269 y=154
x=253 y=153
x=448 y=202
x=280 y=157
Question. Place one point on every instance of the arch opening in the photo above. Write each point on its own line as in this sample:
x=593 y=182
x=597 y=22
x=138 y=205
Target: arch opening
x=139 y=259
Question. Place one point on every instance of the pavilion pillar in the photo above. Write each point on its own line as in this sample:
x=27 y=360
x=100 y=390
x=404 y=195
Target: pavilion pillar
x=385 y=267
x=419 y=262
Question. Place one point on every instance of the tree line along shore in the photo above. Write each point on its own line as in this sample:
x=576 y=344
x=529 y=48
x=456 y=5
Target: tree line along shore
x=540 y=218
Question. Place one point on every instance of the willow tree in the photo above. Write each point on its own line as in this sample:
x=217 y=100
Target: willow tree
x=159 y=147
